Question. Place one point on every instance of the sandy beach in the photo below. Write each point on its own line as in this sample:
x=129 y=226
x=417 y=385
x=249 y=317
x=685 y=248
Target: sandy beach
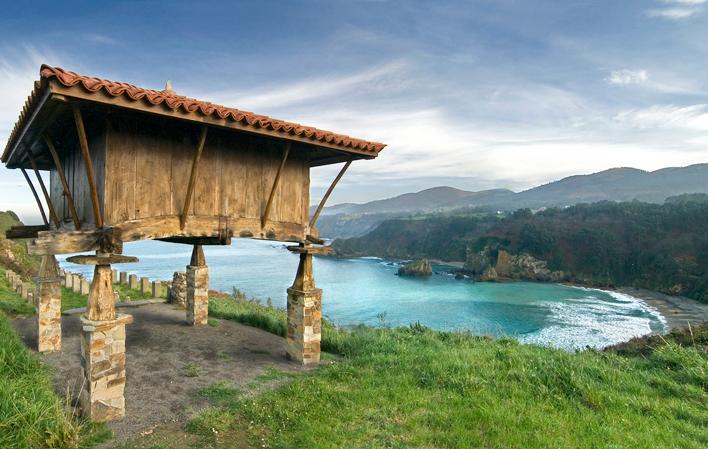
x=678 y=311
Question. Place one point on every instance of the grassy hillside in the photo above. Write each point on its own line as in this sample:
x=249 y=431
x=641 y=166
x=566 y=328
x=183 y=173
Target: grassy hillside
x=31 y=414
x=412 y=387
x=13 y=253
x=443 y=237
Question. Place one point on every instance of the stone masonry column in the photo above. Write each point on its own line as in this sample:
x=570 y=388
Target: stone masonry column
x=48 y=306
x=197 y=288
x=304 y=315
x=103 y=351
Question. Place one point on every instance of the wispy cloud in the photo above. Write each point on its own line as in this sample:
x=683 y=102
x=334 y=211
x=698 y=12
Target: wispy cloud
x=625 y=77
x=316 y=88
x=693 y=117
x=677 y=9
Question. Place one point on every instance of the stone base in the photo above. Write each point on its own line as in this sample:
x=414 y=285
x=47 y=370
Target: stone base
x=197 y=295
x=103 y=360
x=304 y=325
x=48 y=316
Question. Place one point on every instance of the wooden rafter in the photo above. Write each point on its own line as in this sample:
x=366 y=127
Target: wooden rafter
x=36 y=197
x=47 y=198
x=266 y=212
x=64 y=183
x=83 y=143
x=329 y=192
x=193 y=177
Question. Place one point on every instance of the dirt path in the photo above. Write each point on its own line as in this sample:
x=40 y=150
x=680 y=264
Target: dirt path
x=162 y=352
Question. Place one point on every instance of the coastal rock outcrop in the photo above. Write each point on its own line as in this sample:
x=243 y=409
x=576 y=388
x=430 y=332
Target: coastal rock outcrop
x=420 y=267
x=492 y=265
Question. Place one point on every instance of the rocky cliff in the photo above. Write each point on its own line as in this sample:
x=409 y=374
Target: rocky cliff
x=420 y=267
x=496 y=264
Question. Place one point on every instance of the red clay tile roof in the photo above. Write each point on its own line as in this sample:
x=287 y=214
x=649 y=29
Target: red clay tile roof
x=185 y=104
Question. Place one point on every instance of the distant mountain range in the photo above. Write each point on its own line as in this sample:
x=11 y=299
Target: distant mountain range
x=616 y=184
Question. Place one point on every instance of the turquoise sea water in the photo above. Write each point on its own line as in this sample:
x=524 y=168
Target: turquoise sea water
x=366 y=290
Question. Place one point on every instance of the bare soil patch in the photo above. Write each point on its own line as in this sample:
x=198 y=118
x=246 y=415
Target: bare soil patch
x=167 y=361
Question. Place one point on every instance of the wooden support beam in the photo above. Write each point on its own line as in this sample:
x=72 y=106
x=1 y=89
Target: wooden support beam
x=197 y=259
x=266 y=212
x=198 y=226
x=101 y=260
x=329 y=192
x=321 y=250
x=25 y=232
x=64 y=183
x=83 y=142
x=47 y=198
x=199 y=240
x=36 y=197
x=193 y=177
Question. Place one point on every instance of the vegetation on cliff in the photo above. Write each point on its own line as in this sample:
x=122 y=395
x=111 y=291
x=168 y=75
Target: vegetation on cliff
x=659 y=247
x=13 y=253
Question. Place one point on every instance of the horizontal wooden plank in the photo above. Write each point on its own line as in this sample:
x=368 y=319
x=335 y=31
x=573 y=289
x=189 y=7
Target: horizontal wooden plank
x=25 y=232
x=102 y=260
x=321 y=250
x=154 y=228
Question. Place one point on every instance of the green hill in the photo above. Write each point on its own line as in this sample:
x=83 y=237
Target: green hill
x=659 y=247
x=13 y=253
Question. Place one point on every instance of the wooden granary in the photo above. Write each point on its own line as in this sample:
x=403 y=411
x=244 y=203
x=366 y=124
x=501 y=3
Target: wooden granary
x=126 y=164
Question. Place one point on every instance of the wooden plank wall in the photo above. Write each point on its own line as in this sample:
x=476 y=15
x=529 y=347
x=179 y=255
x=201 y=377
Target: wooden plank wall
x=75 y=172
x=149 y=163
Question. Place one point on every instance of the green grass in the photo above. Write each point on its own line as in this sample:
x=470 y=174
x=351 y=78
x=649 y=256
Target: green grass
x=11 y=302
x=73 y=300
x=412 y=387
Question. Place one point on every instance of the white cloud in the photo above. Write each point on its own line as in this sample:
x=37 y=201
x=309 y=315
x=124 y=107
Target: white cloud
x=625 y=77
x=276 y=96
x=694 y=117
x=677 y=9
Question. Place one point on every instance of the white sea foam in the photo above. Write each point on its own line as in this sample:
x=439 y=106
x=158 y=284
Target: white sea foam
x=594 y=322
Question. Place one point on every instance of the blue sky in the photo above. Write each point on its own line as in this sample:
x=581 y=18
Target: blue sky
x=473 y=94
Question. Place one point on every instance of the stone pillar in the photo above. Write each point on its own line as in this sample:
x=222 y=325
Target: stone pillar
x=76 y=283
x=67 y=279
x=304 y=315
x=85 y=287
x=103 y=351
x=133 y=281
x=115 y=276
x=145 y=285
x=178 y=289
x=123 y=278
x=157 y=289
x=48 y=306
x=197 y=288
x=24 y=290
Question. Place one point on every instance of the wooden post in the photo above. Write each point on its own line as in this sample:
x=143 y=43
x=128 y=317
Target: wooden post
x=36 y=197
x=47 y=198
x=193 y=177
x=83 y=141
x=266 y=212
x=101 y=305
x=329 y=192
x=64 y=183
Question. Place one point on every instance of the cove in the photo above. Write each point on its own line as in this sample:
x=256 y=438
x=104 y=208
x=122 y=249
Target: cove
x=367 y=291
